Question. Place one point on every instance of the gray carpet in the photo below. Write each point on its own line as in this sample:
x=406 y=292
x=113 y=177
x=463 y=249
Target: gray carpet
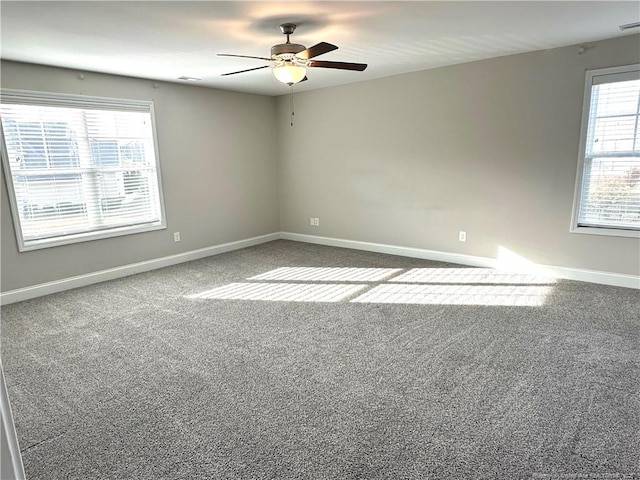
x=154 y=377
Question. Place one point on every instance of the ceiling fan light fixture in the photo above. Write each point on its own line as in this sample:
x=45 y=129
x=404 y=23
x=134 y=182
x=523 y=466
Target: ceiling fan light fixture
x=289 y=61
x=289 y=73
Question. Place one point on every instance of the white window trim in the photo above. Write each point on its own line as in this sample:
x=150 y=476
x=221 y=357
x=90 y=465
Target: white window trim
x=586 y=106
x=70 y=100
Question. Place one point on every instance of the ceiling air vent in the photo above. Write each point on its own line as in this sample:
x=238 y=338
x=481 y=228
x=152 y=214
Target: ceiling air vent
x=629 y=26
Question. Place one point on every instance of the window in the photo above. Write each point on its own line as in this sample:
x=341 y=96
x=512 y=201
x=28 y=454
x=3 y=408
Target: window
x=608 y=181
x=79 y=168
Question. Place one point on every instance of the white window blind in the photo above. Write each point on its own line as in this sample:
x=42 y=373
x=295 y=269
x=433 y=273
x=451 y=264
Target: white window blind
x=79 y=168
x=608 y=193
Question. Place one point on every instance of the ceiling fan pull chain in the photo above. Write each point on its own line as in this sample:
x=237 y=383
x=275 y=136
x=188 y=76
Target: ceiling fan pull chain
x=291 y=104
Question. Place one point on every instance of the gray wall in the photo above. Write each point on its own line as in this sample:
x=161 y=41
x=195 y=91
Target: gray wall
x=217 y=154
x=488 y=147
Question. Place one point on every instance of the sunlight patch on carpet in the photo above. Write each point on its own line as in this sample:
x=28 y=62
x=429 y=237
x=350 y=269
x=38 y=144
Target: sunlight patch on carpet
x=490 y=295
x=281 y=292
x=328 y=274
x=419 y=286
x=470 y=276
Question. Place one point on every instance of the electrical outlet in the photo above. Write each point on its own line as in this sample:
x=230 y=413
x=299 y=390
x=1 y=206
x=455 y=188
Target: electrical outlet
x=176 y=236
x=317 y=222
x=462 y=236
x=312 y=221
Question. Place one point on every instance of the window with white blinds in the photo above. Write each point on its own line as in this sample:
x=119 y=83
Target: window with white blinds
x=79 y=168
x=608 y=183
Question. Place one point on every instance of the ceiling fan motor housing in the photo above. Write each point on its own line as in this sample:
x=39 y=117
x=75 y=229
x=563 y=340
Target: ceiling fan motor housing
x=283 y=48
x=286 y=51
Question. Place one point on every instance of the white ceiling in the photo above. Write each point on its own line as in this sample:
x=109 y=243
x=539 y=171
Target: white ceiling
x=163 y=40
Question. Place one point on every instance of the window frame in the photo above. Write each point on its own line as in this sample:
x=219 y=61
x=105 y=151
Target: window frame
x=38 y=98
x=584 y=132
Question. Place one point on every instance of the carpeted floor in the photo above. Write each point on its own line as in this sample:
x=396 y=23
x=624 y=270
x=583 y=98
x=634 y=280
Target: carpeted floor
x=389 y=368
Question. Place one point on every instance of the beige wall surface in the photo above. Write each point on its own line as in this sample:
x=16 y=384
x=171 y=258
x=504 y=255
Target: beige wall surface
x=489 y=147
x=218 y=162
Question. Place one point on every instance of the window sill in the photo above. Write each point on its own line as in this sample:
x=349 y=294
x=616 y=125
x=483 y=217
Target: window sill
x=85 y=237
x=611 y=232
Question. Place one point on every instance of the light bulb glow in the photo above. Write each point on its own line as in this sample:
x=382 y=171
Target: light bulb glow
x=289 y=73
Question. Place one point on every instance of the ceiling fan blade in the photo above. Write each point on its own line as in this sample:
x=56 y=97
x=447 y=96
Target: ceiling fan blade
x=242 y=56
x=339 y=65
x=247 y=70
x=318 y=49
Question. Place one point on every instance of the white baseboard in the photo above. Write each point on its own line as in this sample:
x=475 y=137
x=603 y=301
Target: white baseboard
x=592 y=276
x=34 y=291
x=393 y=250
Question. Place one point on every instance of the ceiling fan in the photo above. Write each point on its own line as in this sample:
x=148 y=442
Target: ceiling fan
x=290 y=61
